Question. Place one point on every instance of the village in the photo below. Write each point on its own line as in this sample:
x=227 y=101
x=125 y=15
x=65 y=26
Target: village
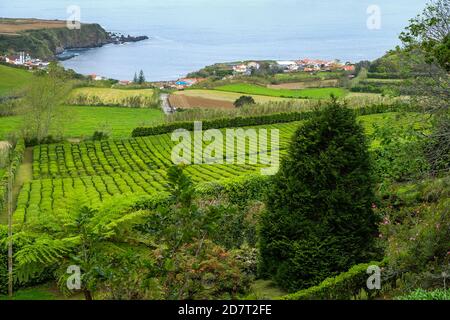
x=238 y=69
x=248 y=68
x=25 y=60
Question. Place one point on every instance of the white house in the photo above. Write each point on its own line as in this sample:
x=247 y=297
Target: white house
x=253 y=65
x=240 y=68
x=286 y=64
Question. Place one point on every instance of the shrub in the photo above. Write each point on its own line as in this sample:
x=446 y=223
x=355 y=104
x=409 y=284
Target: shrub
x=399 y=155
x=346 y=286
x=99 y=135
x=418 y=238
x=244 y=100
x=16 y=161
x=319 y=220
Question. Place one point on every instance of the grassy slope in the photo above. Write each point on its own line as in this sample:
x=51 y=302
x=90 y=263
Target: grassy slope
x=318 y=93
x=108 y=94
x=12 y=79
x=84 y=121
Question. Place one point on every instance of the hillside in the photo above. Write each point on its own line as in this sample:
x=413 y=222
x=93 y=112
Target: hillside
x=12 y=79
x=43 y=39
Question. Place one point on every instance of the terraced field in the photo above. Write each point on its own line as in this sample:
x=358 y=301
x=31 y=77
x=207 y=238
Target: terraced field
x=102 y=169
x=134 y=167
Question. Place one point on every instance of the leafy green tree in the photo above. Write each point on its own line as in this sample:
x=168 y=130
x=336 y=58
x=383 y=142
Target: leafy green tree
x=189 y=264
x=319 y=220
x=42 y=102
x=135 y=79
x=430 y=31
x=243 y=101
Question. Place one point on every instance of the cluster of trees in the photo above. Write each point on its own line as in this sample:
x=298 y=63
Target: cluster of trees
x=139 y=79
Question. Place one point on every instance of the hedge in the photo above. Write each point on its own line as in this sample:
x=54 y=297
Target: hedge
x=239 y=191
x=254 y=120
x=222 y=123
x=345 y=286
x=16 y=161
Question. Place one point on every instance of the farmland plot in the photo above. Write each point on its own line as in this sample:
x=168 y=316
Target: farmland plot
x=133 y=167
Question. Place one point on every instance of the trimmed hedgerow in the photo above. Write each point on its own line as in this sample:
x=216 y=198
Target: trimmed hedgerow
x=257 y=120
x=345 y=286
x=222 y=123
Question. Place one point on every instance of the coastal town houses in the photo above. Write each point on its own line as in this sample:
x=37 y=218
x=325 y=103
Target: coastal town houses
x=24 y=59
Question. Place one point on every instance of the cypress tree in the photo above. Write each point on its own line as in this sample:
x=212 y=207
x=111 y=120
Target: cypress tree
x=319 y=221
x=141 y=77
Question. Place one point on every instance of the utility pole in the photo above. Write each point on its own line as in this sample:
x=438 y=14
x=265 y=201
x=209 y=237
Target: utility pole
x=10 y=233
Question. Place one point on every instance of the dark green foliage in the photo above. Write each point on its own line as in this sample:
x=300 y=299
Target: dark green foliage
x=442 y=53
x=319 y=220
x=243 y=101
x=141 y=78
x=100 y=135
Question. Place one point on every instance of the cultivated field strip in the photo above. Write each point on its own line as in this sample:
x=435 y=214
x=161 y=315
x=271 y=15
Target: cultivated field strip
x=110 y=156
x=102 y=169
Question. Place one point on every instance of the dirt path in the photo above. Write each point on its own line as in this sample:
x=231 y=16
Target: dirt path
x=24 y=175
x=165 y=104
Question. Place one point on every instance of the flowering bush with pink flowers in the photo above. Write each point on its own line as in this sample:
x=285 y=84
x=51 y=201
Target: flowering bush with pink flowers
x=417 y=235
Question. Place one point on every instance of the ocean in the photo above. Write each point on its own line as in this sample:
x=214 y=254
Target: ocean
x=186 y=35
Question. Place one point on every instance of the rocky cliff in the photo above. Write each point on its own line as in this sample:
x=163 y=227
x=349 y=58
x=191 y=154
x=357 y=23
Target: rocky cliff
x=46 y=43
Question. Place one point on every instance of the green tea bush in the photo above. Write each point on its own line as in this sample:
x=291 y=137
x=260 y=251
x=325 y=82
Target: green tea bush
x=16 y=161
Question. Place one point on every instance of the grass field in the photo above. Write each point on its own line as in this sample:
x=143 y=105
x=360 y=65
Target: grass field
x=13 y=79
x=305 y=84
x=82 y=122
x=132 y=167
x=304 y=76
x=109 y=96
x=318 y=93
